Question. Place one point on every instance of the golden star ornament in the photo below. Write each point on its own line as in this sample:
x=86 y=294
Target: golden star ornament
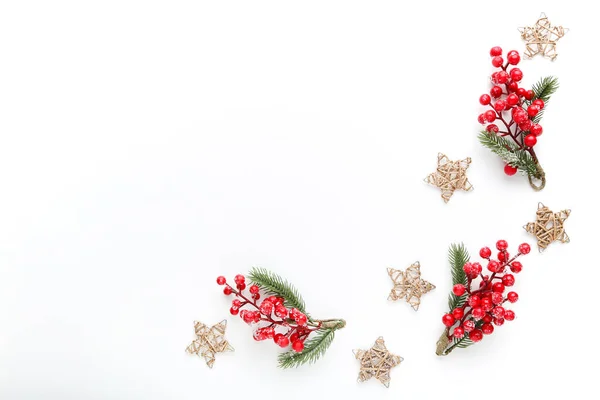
x=450 y=176
x=548 y=226
x=376 y=362
x=408 y=285
x=209 y=341
x=541 y=38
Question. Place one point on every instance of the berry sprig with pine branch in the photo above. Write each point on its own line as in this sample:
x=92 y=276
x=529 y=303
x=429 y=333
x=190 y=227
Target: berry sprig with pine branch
x=477 y=307
x=519 y=112
x=280 y=316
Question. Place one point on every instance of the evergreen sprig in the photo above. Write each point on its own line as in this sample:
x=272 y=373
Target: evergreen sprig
x=543 y=89
x=275 y=285
x=509 y=152
x=457 y=256
x=314 y=348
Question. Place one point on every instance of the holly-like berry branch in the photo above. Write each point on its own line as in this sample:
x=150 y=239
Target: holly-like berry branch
x=476 y=307
x=281 y=316
x=519 y=112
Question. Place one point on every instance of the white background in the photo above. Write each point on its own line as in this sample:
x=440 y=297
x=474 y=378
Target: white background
x=149 y=146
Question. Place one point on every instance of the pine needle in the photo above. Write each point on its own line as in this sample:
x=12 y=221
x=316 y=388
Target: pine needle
x=509 y=152
x=275 y=285
x=543 y=89
x=457 y=256
x=314 y=349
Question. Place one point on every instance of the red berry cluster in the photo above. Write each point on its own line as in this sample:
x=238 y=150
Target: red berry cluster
x=510 y=104
x=277 y=322
x=484 y=306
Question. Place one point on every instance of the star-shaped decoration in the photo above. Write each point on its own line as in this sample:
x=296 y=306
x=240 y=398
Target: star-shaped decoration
x=409 y=285
x=548 y=226
x=450 y=176
x=209 y=341
x=541 y=38
x=376 y=362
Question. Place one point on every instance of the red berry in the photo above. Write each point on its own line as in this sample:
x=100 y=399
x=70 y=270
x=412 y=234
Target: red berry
x=298 y=346
x=501 y=245
x=227 y=290
x=239 y=278
x=539 y=103
x=513 y=57
x=508 y=279
x=498 y=321
x=490 y=116
x=509 y=315
x=497 y=298
x=469 y=325
x=516 y=267
x=477 y=313
x=496 y=91
x=481 y=118
x=524 y=248
x=282 y=341
x=497 y=61
x=448 y=320
x=536 y=129
x=470 y=270
x=254 y=289
x=513 y=87
x=516 y=74
x=487 y=318
x=530 y=140
x=533 y=110
x=525 y=125
x=498 y=312
x=301 y=319
x=520 y=116
x=458 y=313
x=502 y=77
x=294 y=337
x=512 y=99
x=485 y=252
x=477 y=268
x=281 y=311
x=529 y=95
x=458 y=332
x=459 y=289
x=498 y=287
x=474 y=301
x=492 y=128
x=241 y=286
x=510 y=170
x=485 y=99
x=521 y=92
x=493 y=266
x=221 y=280
x=503 y=256
x=236 y=303
x=487 y=329
x=266 y=307
x=495 y=51
x=256 y=296
x=500 y=105
x=476 y=335
x=486 y=304
x=234 y=310
x=512 y=297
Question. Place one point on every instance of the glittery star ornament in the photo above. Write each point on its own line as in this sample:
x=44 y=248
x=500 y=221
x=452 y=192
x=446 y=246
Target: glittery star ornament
x=408 y=285
x=450 y=176
x=209 y=341
x=548 y=226
x=541 y=38
x=376 y=362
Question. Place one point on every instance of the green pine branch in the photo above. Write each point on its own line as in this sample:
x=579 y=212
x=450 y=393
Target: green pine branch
x=457 y=256
x=543 y=89
x=314 y=348
x=509 y=152
x=274 y=285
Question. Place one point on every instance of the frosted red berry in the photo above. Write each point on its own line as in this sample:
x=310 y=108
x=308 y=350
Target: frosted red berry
x=485 y=252
x=509 y=315
x=486 y=304
x=485 y=99
x=476 y=335
x=474 y=301
x=497 y=298
x=301 y=319
x=495 y=51
x=477 y=313
x=516 y=267
x=239 y=278
x=497 y=61
x=221 y=280
x=512 y=297
x=508 y=280
x=298 y=346
x=498 y=312
x=469 y=325
x=502 y=77
x=493 y=266
x=458 y=332
x=501 y=245
x=539 y=103
x=492 y=128
x=524 y=248
x=500 y=105
x=254 y=289
x=481 y=119
x=236 y=303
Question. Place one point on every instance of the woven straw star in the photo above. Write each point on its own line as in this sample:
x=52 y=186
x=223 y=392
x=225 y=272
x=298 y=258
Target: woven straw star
x=409 y=285
x=541 y=38
x=450 y=176
x=548 y=226
x=376 y=362
x=209 y=341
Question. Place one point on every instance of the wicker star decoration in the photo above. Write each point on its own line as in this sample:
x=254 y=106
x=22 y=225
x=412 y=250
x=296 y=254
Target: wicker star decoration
x=409 y=285
x=209 y=341
x=377 y=362
x=541 y=38
x=548 y=226
x=450 y=176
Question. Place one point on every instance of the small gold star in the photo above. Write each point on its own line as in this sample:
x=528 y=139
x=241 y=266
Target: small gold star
x=541 y=38
x=209 y=341
x=450 y=176
x=548 y=226
x=409 y=285
x=376 y=362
